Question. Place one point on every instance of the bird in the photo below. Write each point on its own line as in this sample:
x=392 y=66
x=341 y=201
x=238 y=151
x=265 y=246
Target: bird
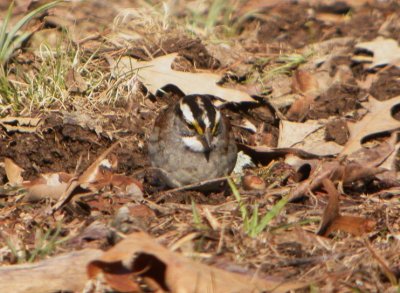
x=192 y=142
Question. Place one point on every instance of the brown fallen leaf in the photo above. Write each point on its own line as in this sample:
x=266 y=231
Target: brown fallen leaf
x=265 y=155
x=291 y=133
x=378 y=119
x=305 y=84
x=140 y=256
x=157 y=73
x=61 y=273
x=333 y=221
x=253 y=182
x=20 y=124
x=95 y=177
x=372 y=157
x=51 y=185
x=385 y=52
x=13 y=172
x=346 y=172
x=127 y=185
x=390 y=162
x=75 y=82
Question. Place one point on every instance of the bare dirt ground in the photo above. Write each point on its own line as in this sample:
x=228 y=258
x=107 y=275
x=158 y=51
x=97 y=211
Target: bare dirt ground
x=301 y=61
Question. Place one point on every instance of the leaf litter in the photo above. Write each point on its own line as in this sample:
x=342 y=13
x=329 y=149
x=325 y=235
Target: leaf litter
x=341 y=220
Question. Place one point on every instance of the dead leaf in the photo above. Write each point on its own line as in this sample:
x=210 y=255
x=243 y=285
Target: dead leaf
x=20 y=124
x=252 y=182
x=291 y=133
x=304 y=82
x=324 y=170
x=300 y=108
x=346 y=172
x=13 y=172
x=378 y=119
x=333 y=221
x=128 y=185
x=375 y=156
x=385 y=52
x=95 y=177
x=265 y=155
x=51 y=185
x=139 y=256
x=157 y=73
x=75 y=82
x=308 y=136
x=390 y=162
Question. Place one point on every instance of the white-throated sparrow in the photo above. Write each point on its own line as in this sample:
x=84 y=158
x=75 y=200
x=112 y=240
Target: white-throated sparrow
x=192 y=142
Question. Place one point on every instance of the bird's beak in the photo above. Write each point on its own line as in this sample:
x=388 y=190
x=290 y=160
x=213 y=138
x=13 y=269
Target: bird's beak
x=206 y=141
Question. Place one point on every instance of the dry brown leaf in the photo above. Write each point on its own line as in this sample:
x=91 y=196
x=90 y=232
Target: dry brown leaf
x=127 y=184
x=385 y=52
x=300 y=108
x=51 y=185
x=390 y=162
x=20 y=124
x=375 y=156
x=291 y=133
x=265 y=155
x=253 y=182
x=379 y=119
x=157 y=73
x=96 y=176
x=13 y=172
x=308 y=136
x=139 y=255
x=75 y=82
x=344 y=172
x=356 y=226
x=304 y=82
x=333 y=221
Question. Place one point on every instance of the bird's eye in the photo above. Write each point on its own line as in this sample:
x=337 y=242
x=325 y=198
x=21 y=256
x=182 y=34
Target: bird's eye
x=195 y=126
x=190 y=126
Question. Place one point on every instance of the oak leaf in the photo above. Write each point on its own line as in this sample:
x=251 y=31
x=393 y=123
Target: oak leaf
x=140 y=256
x=378 y=120
x=157 y=74
x=385 y=52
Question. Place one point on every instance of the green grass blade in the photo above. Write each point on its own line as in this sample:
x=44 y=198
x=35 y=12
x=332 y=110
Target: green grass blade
x=24 y=21
x=15 y=44
x=238 y=197
x=214 y=12
x=196 y=214
x=4 y=26
x=253 y=222
x=272 y=214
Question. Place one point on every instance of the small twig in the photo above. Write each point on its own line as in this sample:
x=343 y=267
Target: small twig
x=163 y=194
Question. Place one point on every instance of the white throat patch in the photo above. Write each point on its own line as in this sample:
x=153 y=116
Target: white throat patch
x=193 y=143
